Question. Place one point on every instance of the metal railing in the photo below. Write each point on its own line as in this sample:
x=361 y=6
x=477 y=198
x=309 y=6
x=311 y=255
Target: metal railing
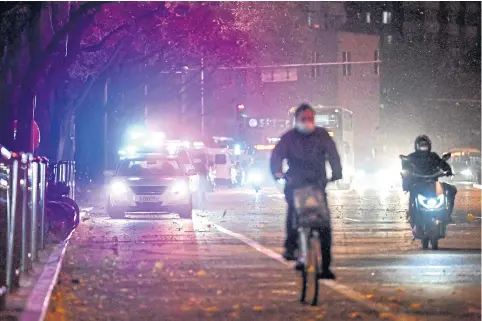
x=23 y=183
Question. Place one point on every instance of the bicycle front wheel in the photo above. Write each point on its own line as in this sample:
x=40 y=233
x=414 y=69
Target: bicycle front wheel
x=311 y=270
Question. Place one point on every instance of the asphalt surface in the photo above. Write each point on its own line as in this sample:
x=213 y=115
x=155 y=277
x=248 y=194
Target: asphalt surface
x=223 y=265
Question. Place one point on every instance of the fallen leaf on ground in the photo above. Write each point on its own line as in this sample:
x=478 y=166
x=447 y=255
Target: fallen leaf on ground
x=386 y=315
x=234 y=315
x=370 y=296
x=201 y=273
x=236 y=306
x=258 y=308
x=415 y=305
x=212 y=309
x=320 y=316
x=473 y=311
x=124 y=290
x=355 y=315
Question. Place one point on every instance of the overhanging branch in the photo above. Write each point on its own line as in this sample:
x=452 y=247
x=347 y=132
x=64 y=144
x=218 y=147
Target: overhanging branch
x=39 y=63
x=98 y=46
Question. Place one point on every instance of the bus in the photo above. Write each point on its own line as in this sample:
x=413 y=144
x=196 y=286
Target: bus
x=339 y=124
x=465 y=164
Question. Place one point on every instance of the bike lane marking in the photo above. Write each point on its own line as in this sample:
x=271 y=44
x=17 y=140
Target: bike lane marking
x=338 y=287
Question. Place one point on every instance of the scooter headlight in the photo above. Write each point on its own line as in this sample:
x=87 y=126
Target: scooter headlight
x=431 y=202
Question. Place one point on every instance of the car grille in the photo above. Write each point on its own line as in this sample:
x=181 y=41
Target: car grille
x=148 y=190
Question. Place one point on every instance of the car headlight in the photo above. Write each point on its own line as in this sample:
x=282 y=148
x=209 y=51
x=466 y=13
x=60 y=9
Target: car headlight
x=255 y=177
x=431 y=202
x=180 y=188
x=466 y=172
x=118 y=188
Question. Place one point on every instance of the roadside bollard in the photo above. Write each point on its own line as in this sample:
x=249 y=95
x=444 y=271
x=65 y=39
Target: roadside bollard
x=35 y=171
x=14 y=226
x=5 y=163
x=22 y=212
x=41 y=198
x=25 y=187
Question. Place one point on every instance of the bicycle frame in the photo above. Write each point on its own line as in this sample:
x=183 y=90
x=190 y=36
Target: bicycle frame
x=304 y=236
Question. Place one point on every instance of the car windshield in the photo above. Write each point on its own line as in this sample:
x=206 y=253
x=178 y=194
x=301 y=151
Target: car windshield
x=149 y=168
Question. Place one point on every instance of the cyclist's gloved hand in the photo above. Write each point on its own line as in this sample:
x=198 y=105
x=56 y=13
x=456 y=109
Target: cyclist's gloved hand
x=449 y=173
x=278 y=176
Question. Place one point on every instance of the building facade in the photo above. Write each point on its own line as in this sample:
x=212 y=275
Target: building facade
x=430 y=75
x=269 y=92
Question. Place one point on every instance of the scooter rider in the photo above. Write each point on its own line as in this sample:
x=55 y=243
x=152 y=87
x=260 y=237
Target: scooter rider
x=306 y=148
x=426 y=162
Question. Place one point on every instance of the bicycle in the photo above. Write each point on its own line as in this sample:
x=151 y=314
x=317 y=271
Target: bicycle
x=312 y=215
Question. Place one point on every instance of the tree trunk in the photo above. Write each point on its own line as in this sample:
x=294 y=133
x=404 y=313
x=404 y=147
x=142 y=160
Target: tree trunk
x=62 y=150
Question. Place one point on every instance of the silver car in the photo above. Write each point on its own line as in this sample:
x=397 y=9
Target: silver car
x=152 y=183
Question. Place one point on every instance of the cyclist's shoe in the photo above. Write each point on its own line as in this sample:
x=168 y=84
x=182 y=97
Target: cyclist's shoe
x=327 y=275
x=289 y=255
x=299 y=265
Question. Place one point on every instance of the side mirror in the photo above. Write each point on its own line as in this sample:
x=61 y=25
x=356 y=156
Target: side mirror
x=109 y=173
x=446 y=156
x=191 y=172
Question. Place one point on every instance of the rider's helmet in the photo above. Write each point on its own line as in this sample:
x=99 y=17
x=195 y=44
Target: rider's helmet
x=423 y=143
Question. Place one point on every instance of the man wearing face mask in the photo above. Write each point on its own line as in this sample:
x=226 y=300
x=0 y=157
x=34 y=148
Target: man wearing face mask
x=306 y=148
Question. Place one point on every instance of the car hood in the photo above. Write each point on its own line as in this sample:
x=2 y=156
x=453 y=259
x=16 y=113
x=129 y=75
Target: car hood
x=152 y=180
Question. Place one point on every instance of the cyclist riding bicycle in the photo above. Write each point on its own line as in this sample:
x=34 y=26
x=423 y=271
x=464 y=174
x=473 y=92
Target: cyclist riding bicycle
x=306 y=148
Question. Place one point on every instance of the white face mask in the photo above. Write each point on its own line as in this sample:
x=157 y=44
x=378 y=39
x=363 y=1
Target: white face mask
x=305 y=128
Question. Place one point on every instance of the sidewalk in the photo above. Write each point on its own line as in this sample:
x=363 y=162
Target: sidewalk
x=31 y=301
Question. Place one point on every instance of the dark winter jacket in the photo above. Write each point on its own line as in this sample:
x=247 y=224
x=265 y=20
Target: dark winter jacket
x=426 y=163
x=306 y=155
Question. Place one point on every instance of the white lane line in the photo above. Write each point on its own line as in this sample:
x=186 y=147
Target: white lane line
x=338 y=287
x=39 y=299
x=351 y=219
x=468 y=267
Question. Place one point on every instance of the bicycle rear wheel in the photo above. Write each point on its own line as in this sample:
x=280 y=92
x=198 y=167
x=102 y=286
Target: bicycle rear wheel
x=311 y=270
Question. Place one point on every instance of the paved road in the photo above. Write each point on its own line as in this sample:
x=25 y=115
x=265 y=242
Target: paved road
x=225 y=264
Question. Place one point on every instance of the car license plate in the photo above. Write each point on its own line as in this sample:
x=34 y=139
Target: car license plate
x=148 y=199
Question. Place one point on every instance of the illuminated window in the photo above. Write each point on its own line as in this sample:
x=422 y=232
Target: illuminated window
x=346 y=57
x=369 y=17
x=376 y=57
x=279 y=75
x=315 y=70
x=387 y=17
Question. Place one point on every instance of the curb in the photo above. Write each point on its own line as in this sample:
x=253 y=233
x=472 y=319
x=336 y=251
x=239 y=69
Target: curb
x=39 y=299
x=477 y=186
